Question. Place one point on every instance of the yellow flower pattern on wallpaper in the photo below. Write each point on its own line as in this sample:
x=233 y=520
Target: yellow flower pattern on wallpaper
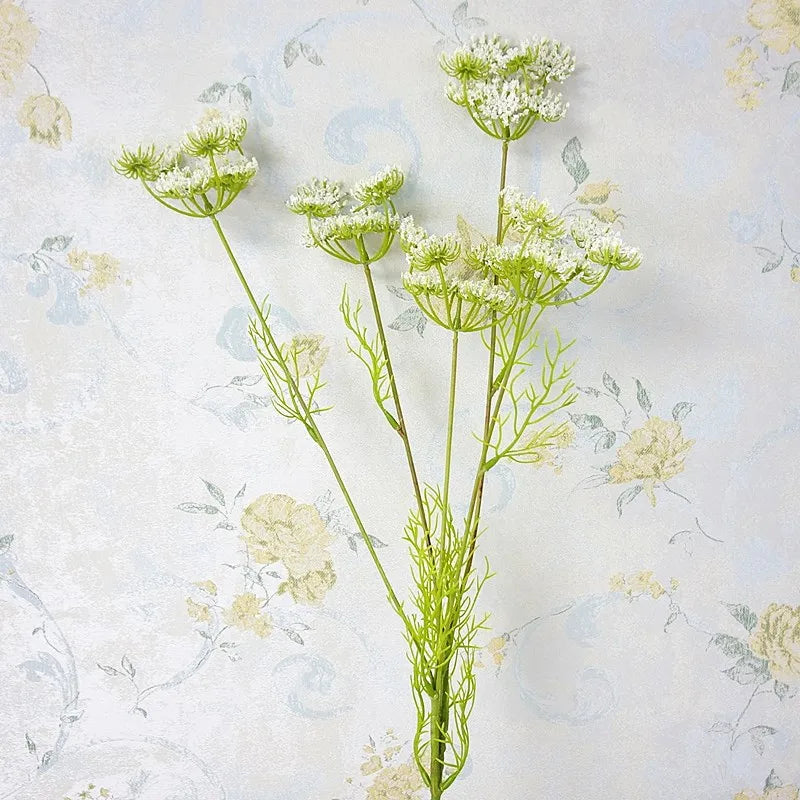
x=774 y=789
x=777 y=25
x=92 y=792
x=640 y=583
x=778 y=793
x=386 y=771
x=648 y=456
x=17 y=38
x=777 y=639
x=99 y=270
x=246 y=613
x=46 y=117
x=308 y=352
x=278 y=528
x=778 y=21
x=654 y=453
x=766 y=662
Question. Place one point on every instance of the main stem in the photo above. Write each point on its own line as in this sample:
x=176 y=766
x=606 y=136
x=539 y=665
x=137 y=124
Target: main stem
x=295 y=390
x=474 y=511
x=440 y=704
x=402 y=430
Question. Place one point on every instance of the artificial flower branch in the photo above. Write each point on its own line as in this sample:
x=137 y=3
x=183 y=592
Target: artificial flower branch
x=499 y=288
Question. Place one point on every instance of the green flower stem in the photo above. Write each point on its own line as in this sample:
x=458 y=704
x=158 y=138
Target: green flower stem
x=451 y=410
x=440 y=714
x=317 y=434
x=402 y=430
x=473 y=515
x=440 y=704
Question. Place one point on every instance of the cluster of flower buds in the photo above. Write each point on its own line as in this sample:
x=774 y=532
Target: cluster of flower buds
x=203 y=175
x=504 y=87
x=542 y=254
x=356 y=226
x=449 y=290
x=467 y=286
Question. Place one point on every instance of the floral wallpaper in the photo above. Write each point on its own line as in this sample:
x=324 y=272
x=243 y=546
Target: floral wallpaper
x=186 y=608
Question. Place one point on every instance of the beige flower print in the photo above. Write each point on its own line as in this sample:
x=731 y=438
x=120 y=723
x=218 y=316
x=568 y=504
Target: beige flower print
x=778 y=21
x=101 y=269
x=641 y=583
x=655 y=453
x=278 y=528
x=17 y=38
x=245 y=613
x=311 y=588
x=596 y=193
x=308 y=353
x=396 y=782
x=776 y=638
x=47 y=119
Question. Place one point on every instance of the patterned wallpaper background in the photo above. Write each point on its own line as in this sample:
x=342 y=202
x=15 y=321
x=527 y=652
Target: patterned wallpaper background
x=646 y=610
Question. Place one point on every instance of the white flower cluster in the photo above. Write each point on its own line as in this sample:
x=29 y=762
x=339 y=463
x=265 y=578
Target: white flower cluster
x=411 y=235
x=465 y=302
x=550 y=59
x=508 y=102
x=504 y=87
x=603 y=245
x=330 y=226
x=320 y=197
x=343 y=227
x=182 y=182
x=585 y=230
x=215 y=133
x=611 y=251
x=378 y=188
x=524 y=265
x=492 y=49
x=529 y=215
x=205 y=172
x=424 y=251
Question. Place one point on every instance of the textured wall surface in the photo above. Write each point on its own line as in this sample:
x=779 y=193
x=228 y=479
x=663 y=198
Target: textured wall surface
x=645 y=612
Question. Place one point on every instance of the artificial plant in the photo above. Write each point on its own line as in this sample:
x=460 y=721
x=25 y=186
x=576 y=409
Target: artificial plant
x=498 y=288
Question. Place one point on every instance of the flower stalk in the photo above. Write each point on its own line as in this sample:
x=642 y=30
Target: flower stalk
x=498 y=287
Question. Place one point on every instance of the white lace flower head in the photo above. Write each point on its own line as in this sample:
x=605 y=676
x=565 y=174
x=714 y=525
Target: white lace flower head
x=503 y=87
x=320 y=197
x=203 y=174
x=378 y=188
x=360 y=232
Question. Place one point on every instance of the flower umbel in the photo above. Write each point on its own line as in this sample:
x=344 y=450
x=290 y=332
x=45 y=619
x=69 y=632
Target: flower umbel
x=504 y=87
x=203 y=175
x=347 y=234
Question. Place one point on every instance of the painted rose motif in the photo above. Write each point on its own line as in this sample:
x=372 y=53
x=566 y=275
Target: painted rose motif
x=655 y=453
x=100 y=269
x=777 y=639
x=778 y=21
x=396 y=782
x=278 y=528
x=596 y=193
x=47 y=120
x=17 y=38
x=311 y=588
x=245 y=613
x=308 y=353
